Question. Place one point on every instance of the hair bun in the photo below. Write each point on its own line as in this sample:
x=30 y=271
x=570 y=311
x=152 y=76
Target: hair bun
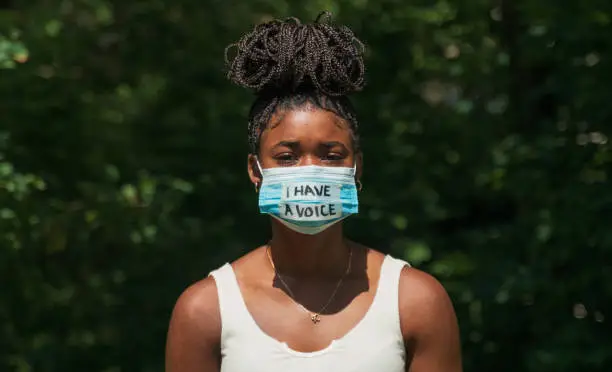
x=283 y=56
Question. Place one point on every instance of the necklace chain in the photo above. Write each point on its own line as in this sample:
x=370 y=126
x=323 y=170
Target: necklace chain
x=315 y=317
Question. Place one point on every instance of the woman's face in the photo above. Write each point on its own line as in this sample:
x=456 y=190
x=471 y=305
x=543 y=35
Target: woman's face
x=305 y=137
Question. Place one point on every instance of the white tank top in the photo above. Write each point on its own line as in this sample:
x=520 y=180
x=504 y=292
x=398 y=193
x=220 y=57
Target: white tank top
x=374 y=344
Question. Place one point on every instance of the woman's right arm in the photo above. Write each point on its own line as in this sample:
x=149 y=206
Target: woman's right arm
x=194 y=334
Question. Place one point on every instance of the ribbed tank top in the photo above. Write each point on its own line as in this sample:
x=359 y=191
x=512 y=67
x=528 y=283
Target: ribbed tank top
x=374 y=344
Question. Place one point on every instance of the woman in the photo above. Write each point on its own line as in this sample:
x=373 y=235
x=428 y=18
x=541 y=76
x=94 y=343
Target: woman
x=309 y=299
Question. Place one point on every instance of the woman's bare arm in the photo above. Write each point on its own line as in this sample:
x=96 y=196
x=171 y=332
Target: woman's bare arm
x=195 y=330
x=429 y=324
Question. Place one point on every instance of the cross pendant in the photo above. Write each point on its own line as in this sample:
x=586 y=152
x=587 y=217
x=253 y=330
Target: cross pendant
x=315 y=318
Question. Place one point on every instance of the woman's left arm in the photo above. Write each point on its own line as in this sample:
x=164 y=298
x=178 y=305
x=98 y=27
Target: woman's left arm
x=429 y=324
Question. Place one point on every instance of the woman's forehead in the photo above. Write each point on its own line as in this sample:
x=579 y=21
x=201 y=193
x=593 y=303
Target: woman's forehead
x=307 y=123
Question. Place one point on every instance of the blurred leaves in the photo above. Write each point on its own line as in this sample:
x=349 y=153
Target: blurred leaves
x=12 y=51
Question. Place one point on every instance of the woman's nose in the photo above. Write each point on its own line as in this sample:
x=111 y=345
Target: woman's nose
x=310 y=160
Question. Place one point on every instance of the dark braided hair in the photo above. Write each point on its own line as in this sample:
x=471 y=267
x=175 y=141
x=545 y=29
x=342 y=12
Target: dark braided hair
x=291 y=65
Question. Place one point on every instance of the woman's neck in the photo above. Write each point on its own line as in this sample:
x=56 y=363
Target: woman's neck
x=324 y=255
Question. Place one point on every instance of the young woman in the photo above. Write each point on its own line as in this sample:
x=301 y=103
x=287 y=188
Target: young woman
x=309 y=299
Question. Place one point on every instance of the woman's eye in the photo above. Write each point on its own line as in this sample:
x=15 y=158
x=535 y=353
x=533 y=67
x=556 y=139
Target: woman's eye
x=285 y=158
x=333 y=157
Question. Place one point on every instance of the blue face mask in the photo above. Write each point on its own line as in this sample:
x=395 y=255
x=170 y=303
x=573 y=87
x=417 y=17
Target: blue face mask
x=308 y=199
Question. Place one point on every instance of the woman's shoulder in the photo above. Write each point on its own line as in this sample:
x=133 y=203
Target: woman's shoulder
x=423 y=297
x=194 y=333
x=420 y=287
x=198 y=305
x=413 y=282
x=420 y=293
x=202 y=296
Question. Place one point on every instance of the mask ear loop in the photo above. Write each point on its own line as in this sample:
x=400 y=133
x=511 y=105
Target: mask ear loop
x=357 y=182
x=260 y=173
x=259 y=166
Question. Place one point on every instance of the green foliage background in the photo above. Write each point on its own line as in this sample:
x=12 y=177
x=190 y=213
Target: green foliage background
x=123 y=154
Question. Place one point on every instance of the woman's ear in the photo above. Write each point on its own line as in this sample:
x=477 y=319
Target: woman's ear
x=254 y=170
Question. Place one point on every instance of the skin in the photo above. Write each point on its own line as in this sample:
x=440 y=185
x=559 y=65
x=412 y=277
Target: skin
x=311 y=265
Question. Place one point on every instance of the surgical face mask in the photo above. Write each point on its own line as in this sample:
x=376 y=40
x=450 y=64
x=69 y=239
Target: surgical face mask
x=308 y=199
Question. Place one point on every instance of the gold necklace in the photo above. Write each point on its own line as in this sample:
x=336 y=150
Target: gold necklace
x=315 y=317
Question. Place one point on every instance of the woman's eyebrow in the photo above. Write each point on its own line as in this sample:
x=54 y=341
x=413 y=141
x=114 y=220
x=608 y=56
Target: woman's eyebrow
x=291 y=144
x=329 y=144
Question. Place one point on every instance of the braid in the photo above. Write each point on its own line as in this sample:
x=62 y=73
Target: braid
x=289 y=65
